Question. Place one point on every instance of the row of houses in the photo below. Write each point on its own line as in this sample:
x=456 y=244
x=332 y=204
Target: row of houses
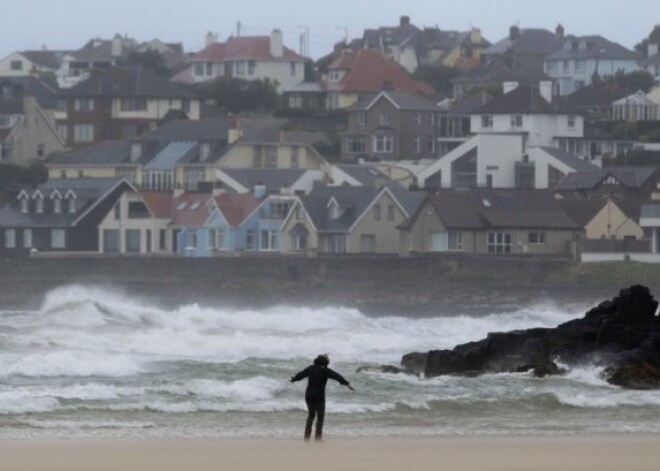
x=114 y=216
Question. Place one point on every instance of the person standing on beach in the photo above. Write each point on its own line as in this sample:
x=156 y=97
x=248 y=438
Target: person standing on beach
x=318 y=374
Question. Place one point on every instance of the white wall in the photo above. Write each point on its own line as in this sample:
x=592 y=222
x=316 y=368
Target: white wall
x=156 y=109
x=5 y=66
x=541 y=128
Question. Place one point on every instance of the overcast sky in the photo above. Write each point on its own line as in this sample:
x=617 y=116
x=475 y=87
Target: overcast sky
x=68 y=24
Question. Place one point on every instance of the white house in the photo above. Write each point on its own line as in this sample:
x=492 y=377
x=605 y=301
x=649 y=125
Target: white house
x=580 y=57
x=24 y=63
x=249 y=58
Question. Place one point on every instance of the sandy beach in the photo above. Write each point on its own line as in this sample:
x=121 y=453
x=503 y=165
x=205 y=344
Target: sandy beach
x=630 y=453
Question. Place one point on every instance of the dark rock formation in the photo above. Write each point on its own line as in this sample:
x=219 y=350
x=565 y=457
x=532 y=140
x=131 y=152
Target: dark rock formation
x=622 y=334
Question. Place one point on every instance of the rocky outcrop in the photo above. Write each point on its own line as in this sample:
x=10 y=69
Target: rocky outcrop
x=622 y=334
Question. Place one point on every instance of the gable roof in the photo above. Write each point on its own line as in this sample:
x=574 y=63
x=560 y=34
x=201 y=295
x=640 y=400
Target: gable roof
x=500 y=208
x=401 y=99
x=128 y=82
x=371 y=72
x=45 y=58
x=244 y=48
x=595 y=47
x=43 y=92
x=523 y=100
x=236 y=207
x=629 y=177
x=103 y=153
x=529 y=41
x=576 y=163
x=583 y=210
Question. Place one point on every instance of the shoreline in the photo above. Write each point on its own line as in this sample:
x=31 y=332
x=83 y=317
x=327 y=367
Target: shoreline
x=631 y=452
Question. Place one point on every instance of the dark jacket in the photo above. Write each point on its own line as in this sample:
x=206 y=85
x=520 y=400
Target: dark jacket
x=318 y=375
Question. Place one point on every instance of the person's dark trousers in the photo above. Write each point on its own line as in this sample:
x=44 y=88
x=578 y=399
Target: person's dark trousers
x=317 y=409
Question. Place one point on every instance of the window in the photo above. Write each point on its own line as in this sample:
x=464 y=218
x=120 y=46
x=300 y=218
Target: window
x=377 y=212
x=430 y=144
x=431 y=119
x=250 y=240
x=241 y=68
x=10 y=238
x=57 y=205
x=27 y=238
x=570 y=121
x=83 y=104
x=368 y=243
x=24 y=205
x=83 y=132
x=566 y=67
x=298 y=241
x=216 y=239
x=204 y=151
x=110 y=240
x=39 y=205
x=295 y=156
x=356 y=145
x=81 y=173
x=536 y=238
x=162 y=244
x=268 y=240
x=384 y=119
x=61 y=105
x=418 y=118
x=580 y=66
x=487 y=121
x=417 y=144
x=40 y=150
x=551 y=66
x=362 y=118
x=209 y=68
x=57 y=239
x=256 y=156
x=191 y=241
x=133 y=104
x=271 y=156
x=390 y=212
x=138 y=210
x=136 y=151
x=63 y=131
x=383 y=144
x=193 y=179
x=199 y=69
x=336 y=244
x=133 y=240
x=292 y=68
x=516 y=121
x=455 y=240
x=499 y=242
x=252 y=65
x=16 y=65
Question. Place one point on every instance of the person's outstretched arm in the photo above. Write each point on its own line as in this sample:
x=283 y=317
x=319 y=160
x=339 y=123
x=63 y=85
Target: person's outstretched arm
x=340 y=379
x=300 y=375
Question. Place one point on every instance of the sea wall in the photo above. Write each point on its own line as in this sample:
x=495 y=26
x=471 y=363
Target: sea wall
x=373 y=283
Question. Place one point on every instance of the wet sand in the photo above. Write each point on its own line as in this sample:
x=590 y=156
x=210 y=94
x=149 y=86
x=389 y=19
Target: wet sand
x=611 y=453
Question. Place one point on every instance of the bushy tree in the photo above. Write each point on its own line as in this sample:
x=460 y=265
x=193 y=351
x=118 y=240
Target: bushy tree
x=150 y=59
x=438 y=76
x=238 y=95
x=637 y=80
x=654 y=37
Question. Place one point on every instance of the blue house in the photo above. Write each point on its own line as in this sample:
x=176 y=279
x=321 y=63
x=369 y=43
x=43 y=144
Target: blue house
x=262 y=230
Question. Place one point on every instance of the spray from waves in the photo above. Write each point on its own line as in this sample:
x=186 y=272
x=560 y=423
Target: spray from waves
x=102 y=322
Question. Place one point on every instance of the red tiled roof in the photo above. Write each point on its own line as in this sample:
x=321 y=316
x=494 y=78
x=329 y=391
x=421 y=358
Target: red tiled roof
x=190 y=210
x=244 y=48
x=235 y=207
x=370 y=72
x=158 y=202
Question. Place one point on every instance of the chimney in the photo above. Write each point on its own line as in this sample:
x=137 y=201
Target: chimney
x=509 y=86
x=116 y=47
x=651 y=49
x=545 y=89
x=559 y=31
x=259 y=190
x=475 y=36
x=210 y=38
x=276 y=47
x=404 y=20
x=235 y=132
x=514 y=33
x=178 y=192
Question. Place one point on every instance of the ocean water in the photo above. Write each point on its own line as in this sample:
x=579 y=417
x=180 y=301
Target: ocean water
x=95 y=363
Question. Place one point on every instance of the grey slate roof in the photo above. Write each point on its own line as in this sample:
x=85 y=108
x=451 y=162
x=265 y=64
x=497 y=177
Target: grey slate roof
x=404 y=100
x=44 y=93
x=498 y=208
x=365 y=174
x=583 y=210
x=128 y=82
x=530 y=41
x=104 y=153
x=596 y=47
x=469 y=104
x=87 y=191
x=523 y=100
x=630 y=177
x=192 y=130
x=45 y=58
x=579 y=165
x=274 y=179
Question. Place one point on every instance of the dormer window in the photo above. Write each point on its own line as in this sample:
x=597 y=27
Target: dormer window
x=57 y=205
x=72 y=204
x=204 y=151
x=39 y=204
x=25 y=203
x=136 y=151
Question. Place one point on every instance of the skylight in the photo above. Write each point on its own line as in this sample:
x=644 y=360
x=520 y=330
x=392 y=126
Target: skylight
x=195 y=205
x=182 y=206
